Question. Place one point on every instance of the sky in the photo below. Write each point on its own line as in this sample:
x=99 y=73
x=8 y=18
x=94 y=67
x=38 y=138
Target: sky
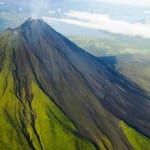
x=126 y=17
x=104 y=22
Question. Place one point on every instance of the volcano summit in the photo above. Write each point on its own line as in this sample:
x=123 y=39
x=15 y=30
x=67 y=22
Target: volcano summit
x=56 y=96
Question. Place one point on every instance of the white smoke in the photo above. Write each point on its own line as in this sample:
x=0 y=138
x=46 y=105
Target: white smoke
x=37 y=8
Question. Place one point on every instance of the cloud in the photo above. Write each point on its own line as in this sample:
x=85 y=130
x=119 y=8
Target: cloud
x=52 y=12
x=128 y=2
x=103 y=22
x=147 y=12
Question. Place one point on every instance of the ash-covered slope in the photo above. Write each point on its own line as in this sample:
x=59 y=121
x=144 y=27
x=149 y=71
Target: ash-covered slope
x=58 y=91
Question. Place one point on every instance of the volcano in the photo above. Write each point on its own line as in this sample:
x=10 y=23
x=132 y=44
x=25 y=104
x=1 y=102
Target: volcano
x=56 y=96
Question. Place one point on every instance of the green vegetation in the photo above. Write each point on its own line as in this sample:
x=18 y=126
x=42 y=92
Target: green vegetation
x=11 y=133
x=43 y=126
x=54 y=129
x=137 y=140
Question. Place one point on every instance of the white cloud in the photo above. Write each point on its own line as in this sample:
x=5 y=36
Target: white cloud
x=128 y=2
x=147 y=12
x=103 y=22
x=51 y=11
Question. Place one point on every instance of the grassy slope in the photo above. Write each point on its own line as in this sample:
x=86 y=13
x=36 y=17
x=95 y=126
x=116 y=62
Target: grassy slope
x=10 y=111
x=137 y=140
x=54 y=129
x=43 y=126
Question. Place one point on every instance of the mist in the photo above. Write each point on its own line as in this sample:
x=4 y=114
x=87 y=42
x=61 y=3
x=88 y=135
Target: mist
x=38 y=7
x=32 y=8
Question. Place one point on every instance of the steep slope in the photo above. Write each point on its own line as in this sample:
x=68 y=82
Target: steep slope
x=54 y=95
x=29 y=119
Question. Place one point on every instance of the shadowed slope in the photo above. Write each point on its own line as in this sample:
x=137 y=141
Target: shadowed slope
x=93 y=96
